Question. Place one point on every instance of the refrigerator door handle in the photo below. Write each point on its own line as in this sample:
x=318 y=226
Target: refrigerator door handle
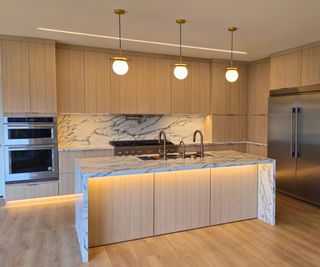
x=292 y=144
x=296 y=134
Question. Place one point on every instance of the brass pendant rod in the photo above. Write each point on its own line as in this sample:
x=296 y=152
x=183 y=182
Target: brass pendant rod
x=180 y=43
x=120 y=44
x=231 y=49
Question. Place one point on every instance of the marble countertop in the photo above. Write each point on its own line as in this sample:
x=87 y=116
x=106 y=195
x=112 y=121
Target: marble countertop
x=113 y=166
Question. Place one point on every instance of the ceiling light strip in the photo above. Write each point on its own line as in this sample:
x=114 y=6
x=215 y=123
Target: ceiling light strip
x=141 y=41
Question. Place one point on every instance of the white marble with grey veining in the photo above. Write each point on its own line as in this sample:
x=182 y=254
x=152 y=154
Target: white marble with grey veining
x=76 y=130
x=113 y=166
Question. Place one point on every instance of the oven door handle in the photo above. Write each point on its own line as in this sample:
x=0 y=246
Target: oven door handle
x=31 y=147
x=30 y=126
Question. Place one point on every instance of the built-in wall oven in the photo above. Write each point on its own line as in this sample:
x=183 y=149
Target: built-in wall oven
x=30 y=149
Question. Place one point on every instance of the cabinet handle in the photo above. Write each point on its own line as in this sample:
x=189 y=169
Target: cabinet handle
x=32 y=184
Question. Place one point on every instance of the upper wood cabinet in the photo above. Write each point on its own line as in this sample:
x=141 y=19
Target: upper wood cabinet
x=228 y=98
x=192 y=95
x=285 y=70
x=310 y=66
x=97 y=82
x=29 y=77
x=258 y=87
x=145 y=89
x=43 y=88
x=15 y=76
x=70 y=81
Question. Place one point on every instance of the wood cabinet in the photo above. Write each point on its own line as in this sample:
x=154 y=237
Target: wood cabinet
x=120 y=208
x=285 y=70
x=145 y=89
x=181 y=200
x=31 y=190
x=258 y=87
x=234 y=194
x=310 y=66
x=228 y=98
x=258 y=128
x=229 y=128
x=257 y=150
x=97 y=82
x=15 y=76
x=70 y=81
x=192 y=95
x=43 y=88
x=29 y=77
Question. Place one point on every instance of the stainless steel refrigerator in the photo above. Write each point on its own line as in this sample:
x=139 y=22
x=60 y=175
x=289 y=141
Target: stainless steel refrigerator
x=294 y=141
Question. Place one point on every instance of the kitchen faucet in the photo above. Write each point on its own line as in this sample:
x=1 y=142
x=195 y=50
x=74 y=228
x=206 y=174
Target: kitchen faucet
x=164 y=144
x=201 y=141
x=183 y=147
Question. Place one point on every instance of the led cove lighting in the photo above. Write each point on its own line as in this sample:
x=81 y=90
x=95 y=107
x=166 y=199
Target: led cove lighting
x=141 y=41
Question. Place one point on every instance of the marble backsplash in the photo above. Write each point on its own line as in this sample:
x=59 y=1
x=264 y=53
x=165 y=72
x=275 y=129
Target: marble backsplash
x=83 y=129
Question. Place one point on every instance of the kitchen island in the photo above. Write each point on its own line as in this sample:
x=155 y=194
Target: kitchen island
x=126 y=198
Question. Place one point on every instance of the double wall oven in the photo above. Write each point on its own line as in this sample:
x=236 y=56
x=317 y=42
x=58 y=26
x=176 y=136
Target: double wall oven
x=30 y=149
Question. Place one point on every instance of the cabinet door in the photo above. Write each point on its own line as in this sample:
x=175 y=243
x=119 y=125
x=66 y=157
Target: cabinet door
x=258 y=88
x=145 y=89
x=182 y=200
x=120 y=208
x=310 y=66
x=234 y=194
x=285 y=70
x=70 y=81
x=258 y=128
x=228 y=98
x=15 y=77
x=43 y=87
x=192 y=95
x=97 y=82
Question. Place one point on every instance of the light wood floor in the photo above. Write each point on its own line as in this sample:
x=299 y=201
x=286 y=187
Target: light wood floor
x=43 y=235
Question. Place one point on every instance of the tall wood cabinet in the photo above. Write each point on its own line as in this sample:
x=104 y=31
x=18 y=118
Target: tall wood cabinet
x=228 y=98
x=29 y=77
x=192 y=95
x=15 y=76
x=70 y=81
x=97 y=82
x=43 y=92
x=145 y=89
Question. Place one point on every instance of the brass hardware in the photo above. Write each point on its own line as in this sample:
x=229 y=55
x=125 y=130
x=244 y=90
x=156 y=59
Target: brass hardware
x=119 y=58
x=180 y=64
x=232 y=29
x=180 y=21
x=119 y=11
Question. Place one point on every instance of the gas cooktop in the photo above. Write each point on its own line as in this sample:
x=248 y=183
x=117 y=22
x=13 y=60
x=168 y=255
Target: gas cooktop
x=134 y=143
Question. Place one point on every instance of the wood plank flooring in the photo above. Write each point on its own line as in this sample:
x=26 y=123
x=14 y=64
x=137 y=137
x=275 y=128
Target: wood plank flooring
x=43 y=235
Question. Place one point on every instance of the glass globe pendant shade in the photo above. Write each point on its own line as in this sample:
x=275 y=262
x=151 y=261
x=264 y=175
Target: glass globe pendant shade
x=120 y=66
x=232 y=75
x=180 y=71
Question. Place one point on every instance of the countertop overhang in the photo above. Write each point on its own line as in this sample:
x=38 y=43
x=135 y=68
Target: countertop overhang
x=114 y=166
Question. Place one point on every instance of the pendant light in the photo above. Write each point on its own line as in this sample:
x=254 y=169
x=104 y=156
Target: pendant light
x=120 y=65
x=232 y=72
x=180 y=69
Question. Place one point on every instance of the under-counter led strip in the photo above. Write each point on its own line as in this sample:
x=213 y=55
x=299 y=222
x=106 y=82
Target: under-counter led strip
x=141 y=41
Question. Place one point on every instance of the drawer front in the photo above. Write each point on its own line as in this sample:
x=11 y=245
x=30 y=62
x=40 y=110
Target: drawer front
x=31 y=190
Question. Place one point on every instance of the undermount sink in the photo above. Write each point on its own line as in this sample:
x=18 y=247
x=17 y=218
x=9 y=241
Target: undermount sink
x=175 y=156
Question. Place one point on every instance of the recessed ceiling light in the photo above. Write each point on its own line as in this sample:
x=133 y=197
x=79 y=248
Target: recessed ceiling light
x=141 y=41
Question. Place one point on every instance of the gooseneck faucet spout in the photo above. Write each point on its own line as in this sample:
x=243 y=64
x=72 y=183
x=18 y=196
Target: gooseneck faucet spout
x=201 y=141
x=162 y=133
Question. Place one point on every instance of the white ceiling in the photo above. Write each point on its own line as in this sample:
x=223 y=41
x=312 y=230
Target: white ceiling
x=265 y=26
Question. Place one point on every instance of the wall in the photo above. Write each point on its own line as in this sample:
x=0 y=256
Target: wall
x=83 y=129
